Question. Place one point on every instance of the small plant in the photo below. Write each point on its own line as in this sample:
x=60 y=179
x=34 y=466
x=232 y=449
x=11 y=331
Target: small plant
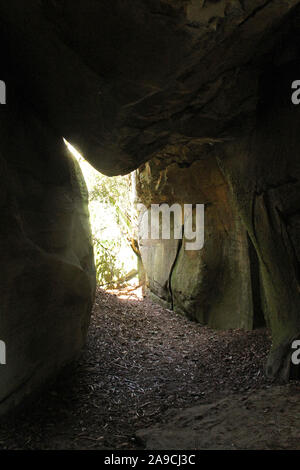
x=109 y=270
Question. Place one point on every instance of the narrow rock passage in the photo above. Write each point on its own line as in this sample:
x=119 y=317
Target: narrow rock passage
x=140 y=361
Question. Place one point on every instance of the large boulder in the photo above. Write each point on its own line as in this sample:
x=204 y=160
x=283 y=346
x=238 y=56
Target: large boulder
x=212 y=285
x=47 y=277
x=123 y=81
x=158 y=258
x=263 y=170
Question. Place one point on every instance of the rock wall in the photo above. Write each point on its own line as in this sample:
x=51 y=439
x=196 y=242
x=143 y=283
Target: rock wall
x=213 y=285
x=47 y=278
x=126 y=82
x=263 y=170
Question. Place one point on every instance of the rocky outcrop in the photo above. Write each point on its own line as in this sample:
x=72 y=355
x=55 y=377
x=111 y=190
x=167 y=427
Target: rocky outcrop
x=264 y=175
x=123 y=82
x=47 y=269
x=213 y=285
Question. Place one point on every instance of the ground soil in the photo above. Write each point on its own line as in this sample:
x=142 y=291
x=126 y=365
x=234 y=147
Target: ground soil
x=141 y=361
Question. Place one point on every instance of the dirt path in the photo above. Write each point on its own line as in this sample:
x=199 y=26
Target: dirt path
x=140 y=361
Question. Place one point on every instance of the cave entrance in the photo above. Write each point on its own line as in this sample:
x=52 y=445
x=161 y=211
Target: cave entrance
x=114 y=225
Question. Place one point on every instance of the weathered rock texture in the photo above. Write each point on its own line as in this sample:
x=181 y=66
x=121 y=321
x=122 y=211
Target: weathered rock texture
x=262 y=420
x=47 y=266
x=212 y=285
x=122 y=81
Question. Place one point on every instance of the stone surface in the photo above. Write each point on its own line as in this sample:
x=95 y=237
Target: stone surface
x=265 y=183
x=263 y=420
x=121 y=81
x=125 y=82
x=212 y=285
x=158 y=257
x=47 y=276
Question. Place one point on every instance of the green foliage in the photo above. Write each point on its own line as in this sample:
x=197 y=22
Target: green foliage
x=113 y=222
x=108 y=269
x=111 y=213
x=115 y=192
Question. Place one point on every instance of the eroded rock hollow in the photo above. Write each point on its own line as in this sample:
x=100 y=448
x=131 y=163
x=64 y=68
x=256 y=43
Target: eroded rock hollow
x=201 y=91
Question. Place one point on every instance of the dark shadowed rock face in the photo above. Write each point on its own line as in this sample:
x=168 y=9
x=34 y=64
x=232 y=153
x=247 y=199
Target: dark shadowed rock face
x=47 y=267
x=122 y=80
x=126 y=81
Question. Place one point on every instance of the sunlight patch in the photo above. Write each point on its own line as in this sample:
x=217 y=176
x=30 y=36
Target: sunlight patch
x=112 y=221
